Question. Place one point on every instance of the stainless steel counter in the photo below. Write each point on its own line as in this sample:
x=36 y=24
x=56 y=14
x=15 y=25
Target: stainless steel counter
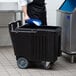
x=7 y=16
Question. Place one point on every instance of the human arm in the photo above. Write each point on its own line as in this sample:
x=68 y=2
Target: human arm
x=23 y=4
x=24 y=9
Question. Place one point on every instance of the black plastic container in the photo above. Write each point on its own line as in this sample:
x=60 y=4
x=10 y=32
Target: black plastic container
x=33 y=43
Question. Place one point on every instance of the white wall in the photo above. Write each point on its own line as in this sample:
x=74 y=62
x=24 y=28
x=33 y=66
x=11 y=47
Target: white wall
x=52 y=6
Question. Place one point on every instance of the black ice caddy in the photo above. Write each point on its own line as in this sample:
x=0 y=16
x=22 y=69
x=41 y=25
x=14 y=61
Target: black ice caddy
x=36 y=44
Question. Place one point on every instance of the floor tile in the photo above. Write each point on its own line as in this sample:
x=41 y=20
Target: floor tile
x=8 y=66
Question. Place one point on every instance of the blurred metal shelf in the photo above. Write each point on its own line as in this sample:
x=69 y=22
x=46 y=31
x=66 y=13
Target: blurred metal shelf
x=7 y=16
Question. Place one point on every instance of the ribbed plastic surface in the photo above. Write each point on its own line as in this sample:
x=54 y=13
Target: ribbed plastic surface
x=36 y=43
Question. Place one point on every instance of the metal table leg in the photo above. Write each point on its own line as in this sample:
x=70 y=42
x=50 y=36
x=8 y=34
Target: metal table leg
x=15 y=16
x=72 y=59
x=21 y=14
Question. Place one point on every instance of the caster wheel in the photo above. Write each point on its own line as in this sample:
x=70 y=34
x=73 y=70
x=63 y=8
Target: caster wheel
x=46 y=65
x=22 y=63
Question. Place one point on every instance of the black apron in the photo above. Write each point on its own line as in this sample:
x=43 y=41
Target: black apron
x=37 y=9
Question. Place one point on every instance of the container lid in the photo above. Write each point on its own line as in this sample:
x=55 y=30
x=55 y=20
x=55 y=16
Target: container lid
x=68 y=6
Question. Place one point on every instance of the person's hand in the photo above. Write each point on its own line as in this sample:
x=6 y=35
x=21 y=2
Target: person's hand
x=26 y=17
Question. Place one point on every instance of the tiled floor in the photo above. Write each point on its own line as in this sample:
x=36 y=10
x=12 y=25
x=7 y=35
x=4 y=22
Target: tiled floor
x=8 y=67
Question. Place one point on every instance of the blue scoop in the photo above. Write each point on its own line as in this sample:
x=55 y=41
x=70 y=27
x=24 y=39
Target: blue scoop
x=32 y=21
